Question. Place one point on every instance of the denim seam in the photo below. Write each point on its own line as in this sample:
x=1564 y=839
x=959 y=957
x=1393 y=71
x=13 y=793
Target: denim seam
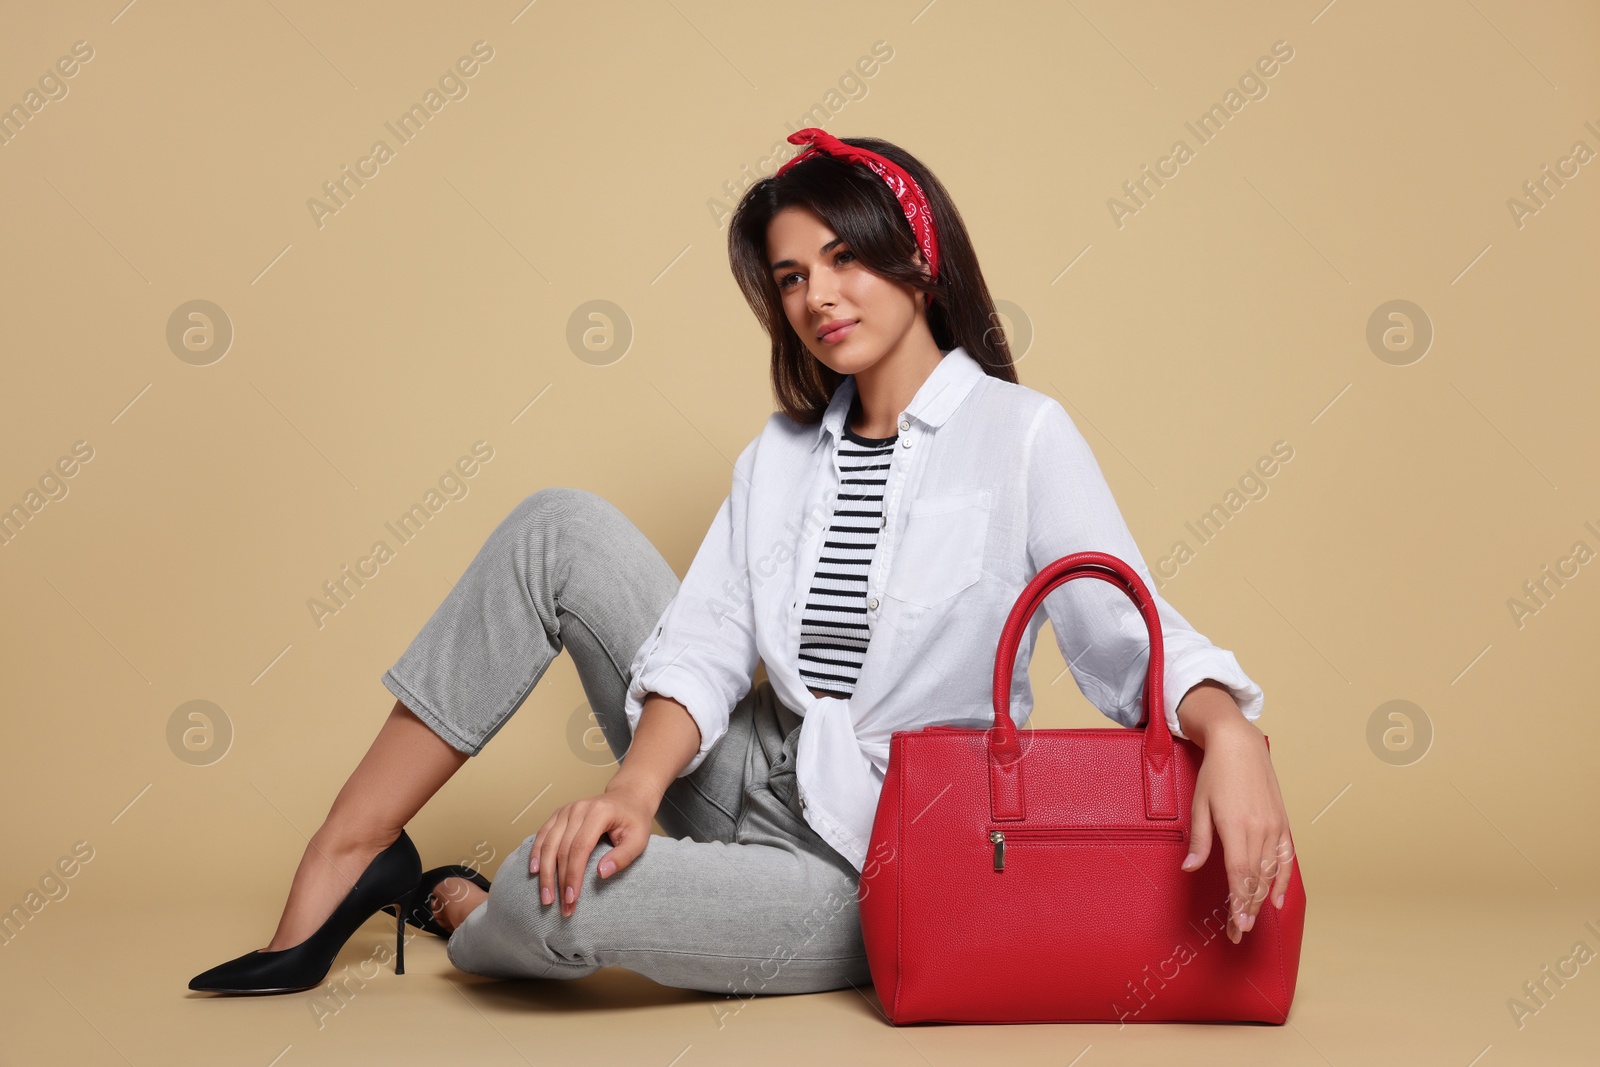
x=622 y=673
x=627 y=679
x=744 y=791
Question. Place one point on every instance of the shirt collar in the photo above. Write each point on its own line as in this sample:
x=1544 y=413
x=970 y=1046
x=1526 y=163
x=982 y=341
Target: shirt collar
x=952 y=379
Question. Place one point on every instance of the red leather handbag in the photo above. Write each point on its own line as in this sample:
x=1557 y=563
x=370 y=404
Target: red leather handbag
x=1033 y=875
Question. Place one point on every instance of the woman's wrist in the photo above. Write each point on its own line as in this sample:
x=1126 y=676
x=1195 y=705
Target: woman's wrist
x=638 y=786
x=1208 y=711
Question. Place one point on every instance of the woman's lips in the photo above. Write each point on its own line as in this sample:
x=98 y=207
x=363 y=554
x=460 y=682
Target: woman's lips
x=838 y=334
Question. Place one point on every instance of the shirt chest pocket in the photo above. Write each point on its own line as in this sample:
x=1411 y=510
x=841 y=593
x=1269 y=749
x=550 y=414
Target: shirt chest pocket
x=941 y=551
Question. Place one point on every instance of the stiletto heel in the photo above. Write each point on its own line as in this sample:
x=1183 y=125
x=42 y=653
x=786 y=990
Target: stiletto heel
x=390 y=878
x=403 y=905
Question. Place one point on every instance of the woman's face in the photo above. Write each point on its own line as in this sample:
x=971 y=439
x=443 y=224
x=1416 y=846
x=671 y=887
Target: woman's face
x=822 y=282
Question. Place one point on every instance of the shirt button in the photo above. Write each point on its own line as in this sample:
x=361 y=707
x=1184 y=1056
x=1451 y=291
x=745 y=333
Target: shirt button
x=905 y=424
x=873 y=603
x=905 y=442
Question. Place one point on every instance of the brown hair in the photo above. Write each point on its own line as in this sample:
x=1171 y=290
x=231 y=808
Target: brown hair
x=858 y=206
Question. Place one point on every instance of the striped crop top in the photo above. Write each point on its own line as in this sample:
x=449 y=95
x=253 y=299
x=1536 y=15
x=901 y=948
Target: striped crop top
x=833 y=627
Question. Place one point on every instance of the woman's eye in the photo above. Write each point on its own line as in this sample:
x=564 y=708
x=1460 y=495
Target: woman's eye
x=784 y=282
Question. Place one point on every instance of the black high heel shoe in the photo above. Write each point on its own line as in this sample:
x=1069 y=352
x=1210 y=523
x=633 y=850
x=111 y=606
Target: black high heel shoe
x=420 y=914
x=390 y=877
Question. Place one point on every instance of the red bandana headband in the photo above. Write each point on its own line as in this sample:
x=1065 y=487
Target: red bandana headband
x=904 y=186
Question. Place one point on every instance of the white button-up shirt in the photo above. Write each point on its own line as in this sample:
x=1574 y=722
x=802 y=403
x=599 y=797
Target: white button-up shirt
x=989 y=482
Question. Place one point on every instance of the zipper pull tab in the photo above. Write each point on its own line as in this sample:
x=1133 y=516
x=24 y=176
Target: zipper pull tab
x=999 y=839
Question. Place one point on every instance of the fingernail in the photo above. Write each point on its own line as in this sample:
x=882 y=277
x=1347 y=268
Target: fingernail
x=533 y=868
x=1279 y=900
x=606 y=867
x=571 y=894
x=1188 y=860
x=1248 y=922
x=544 y=894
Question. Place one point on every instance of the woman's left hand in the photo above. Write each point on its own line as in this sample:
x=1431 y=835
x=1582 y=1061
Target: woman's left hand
x=1236 y=796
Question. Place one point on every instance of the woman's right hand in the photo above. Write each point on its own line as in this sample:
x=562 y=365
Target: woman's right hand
x=562 y=846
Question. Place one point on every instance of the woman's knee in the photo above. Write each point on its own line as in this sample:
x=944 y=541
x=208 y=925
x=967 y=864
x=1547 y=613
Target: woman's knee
x=596 y=916
x=515 y=934
x=558 y=521
x=561 y=504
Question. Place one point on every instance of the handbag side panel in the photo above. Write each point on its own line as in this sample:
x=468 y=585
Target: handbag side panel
x=878 y=890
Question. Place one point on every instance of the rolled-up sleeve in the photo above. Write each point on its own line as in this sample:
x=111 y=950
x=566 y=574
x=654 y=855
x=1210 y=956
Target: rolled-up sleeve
x=1100 y=632
x=702 y=652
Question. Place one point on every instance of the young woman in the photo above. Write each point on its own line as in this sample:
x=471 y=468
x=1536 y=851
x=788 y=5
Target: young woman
x=877 y=532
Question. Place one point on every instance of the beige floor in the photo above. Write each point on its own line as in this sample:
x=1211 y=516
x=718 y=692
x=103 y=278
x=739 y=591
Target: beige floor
x=1389 y=979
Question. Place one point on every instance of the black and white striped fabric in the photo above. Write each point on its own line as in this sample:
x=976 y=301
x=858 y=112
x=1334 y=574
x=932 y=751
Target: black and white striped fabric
x=833 y=627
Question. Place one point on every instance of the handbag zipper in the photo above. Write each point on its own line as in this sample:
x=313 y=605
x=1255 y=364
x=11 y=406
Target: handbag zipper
x=1078 y=833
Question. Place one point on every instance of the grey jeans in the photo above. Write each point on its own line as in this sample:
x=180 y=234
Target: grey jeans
x=741 y=896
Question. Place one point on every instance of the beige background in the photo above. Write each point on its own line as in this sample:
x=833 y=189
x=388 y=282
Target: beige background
x=586 y=162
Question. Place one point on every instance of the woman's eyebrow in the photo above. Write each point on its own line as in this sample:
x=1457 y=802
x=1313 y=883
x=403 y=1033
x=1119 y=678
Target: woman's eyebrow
x=792 y=263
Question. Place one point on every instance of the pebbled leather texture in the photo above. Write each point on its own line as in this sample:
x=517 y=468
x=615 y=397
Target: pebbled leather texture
x=1089 y=918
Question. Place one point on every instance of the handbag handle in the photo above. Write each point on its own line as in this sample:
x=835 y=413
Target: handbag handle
x=1005 y=765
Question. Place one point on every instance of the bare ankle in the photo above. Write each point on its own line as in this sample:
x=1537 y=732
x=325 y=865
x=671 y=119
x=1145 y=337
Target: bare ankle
x=454 y=899
x=345 y=838
x=334 y=860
